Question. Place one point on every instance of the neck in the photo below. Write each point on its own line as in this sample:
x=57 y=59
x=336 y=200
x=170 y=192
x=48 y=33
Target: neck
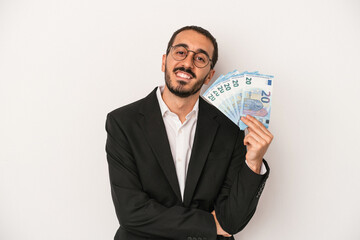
x=179 y=106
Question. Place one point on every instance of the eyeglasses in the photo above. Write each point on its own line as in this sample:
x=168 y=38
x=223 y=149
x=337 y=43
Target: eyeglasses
x=179 y=53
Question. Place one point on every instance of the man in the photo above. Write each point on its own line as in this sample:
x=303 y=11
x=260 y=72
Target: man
x=178 y=167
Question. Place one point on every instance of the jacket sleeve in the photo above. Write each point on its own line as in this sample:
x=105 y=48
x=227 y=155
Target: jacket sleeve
x=136 y=211
x=237 y=200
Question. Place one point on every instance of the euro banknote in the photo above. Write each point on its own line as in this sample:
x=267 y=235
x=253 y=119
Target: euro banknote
x=239 y=94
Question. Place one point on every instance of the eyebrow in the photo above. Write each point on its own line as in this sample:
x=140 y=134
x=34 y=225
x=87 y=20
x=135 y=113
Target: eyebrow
x=199 y=50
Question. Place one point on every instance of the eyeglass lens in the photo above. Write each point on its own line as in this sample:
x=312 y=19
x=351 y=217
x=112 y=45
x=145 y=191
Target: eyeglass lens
x=180 y=53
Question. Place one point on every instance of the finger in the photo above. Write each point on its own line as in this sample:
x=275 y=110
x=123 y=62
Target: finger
x=250 y=141
x=258 y=129
x=249 y=122
x=257 y=137
x=264 y=138
x=259 y=124
x=252 y=144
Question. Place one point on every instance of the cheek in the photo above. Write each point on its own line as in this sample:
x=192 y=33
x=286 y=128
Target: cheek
x=169 y=66
x=203 y=75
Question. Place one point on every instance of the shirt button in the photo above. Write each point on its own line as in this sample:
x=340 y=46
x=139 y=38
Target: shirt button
x=180 y=131
x=179 y=160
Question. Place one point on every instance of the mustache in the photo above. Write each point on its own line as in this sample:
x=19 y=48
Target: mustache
x=187 y=70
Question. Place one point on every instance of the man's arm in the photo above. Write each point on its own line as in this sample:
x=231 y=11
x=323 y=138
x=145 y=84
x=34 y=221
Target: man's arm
x=237 y=200
x=136 y=211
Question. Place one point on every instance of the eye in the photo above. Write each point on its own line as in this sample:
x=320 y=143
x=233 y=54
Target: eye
x=200 y=57
x=180 y=52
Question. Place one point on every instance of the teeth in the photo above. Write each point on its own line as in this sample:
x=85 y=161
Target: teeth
x=183 y=75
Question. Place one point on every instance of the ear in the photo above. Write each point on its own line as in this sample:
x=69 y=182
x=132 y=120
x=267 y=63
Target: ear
x=209 y=77
x=163 y=63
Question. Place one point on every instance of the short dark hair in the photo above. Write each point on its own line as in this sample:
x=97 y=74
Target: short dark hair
x=202 y=31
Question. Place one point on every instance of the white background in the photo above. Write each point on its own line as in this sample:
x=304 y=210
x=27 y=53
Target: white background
x=64 y=64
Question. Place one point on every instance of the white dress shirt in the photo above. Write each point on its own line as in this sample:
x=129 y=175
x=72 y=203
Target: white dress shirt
x=181 y=137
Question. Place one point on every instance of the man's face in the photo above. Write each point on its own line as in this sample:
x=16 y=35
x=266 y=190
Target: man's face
x=183 y=78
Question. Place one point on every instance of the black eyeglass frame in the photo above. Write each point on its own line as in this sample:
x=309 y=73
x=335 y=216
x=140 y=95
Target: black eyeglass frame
x=188 y=50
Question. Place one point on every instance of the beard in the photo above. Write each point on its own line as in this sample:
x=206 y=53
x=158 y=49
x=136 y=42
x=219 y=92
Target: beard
x=180 y=90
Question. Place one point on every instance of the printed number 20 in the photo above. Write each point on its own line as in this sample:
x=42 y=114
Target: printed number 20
x=265 y=99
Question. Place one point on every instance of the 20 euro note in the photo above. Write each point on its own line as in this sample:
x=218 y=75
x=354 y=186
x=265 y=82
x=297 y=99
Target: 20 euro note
x=216 y=96
x=240 y=94
x=256 y=99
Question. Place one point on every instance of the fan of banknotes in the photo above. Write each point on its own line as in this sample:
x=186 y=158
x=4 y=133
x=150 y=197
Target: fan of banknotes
x=239 y=94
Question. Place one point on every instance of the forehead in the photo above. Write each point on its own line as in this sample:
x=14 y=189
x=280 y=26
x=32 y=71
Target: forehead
x=195 y=41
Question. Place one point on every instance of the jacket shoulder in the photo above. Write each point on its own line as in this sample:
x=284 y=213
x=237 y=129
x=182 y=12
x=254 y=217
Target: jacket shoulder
x=131 y=111
x=127 y=110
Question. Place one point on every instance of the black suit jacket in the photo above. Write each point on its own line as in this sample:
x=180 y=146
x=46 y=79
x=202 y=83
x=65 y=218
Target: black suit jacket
x=144 y=184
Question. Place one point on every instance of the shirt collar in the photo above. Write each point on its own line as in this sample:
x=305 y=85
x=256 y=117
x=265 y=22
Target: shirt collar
x=164 y=108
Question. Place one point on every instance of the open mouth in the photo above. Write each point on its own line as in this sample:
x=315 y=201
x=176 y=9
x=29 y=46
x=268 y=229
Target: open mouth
x=183 y=75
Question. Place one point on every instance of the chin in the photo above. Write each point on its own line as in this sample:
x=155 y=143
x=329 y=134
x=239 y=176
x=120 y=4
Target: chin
x=182 y=83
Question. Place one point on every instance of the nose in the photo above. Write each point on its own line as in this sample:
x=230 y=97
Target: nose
x=188 y=62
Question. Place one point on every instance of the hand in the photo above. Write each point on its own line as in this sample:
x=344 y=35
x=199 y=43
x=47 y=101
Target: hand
x=257 y=141
x=219 y=230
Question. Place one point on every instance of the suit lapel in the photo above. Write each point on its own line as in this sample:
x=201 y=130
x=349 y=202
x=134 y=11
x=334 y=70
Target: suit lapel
x=204 y=136
x=155 y=132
